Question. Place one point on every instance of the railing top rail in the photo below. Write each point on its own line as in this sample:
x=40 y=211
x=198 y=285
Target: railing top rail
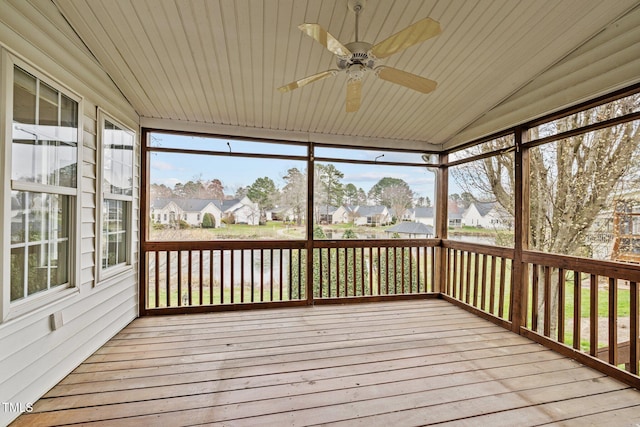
x=479 y=248
x=221 y=245
x=603 y=268
x=371 y=243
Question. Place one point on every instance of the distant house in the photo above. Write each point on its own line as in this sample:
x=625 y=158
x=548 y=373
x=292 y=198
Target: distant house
x=192 y=211
x=327 y=214
x=426 y=215
x=240 y=211
x=412 y=230
x=487 y=215
x=372 y=215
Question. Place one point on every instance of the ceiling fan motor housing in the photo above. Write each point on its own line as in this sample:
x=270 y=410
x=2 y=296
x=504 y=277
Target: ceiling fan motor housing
x=360 y=55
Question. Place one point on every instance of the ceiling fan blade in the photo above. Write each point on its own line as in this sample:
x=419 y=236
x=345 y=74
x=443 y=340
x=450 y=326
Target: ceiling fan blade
x=321 y=35
x=305 y=81
x=354 y=94
x=405 y=79
x=413 y=34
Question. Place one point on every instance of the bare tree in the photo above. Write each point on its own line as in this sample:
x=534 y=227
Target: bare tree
x=572 y=180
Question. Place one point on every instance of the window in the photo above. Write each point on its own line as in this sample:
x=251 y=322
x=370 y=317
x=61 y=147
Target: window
x=117 y=144
x=43 y=187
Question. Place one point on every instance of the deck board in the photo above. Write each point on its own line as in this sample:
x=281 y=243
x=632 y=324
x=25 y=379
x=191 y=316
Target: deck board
x=394 y=363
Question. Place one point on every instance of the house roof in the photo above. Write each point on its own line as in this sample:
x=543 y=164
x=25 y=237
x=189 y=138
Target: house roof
x=484 y=207
x=370 y=210
x=411 y=228
x=187 y=205
x=214 y=66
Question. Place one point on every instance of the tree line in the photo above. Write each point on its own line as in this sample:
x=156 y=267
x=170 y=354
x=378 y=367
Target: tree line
x=329 y=189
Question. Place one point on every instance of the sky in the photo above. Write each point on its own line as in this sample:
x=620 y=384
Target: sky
x=234 y=172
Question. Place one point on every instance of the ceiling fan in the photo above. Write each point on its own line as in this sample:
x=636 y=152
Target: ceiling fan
x=358 y=57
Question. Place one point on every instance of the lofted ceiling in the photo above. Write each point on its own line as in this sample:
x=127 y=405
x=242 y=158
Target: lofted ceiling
x=215 y=65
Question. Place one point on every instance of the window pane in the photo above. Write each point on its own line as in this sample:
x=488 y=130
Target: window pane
x=17 y=218
x=114 y=232
x=585 y=194
x=45 y=220
x=481 y=201
x=17 y=273
x=44 y=151
x=48 y=114
x=118 y=160
x=611 y=110
x=24 y=97
x=501 y=143
x=38 y=271
x=364 y=201
x=225 y=145
x=236 y=197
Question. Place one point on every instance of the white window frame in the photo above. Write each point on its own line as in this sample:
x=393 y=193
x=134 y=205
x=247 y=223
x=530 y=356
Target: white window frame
x=9 y=309
x=104 y=274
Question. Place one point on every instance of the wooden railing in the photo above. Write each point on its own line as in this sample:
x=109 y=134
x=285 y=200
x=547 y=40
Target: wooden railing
x=480 y=276
x=373 y=268
x=587 y=306
x=583 y=308
x=189 y=274
x=181 y=276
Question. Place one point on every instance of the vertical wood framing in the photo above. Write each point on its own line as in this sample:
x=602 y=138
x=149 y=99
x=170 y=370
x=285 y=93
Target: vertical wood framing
x=520 y=270
x=441 y=229
x=593 y=315
x=613 y=321
x=634 y=328
x=310 y=238
x=577 y=308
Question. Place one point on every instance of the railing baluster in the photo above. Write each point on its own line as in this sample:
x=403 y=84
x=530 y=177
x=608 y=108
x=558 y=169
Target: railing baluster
x=190 y=276
x=211 y=276
x=379 y=273
x=467 y=293
x=476 y=279
x=232 y=268
x=262 y=275
x=270 y=275
x=561 y=302
x=222 y=276
x=453 y=287
x=503 y=279
x=329 y=281
x=300 y=253
x=253 y=281
x=483 y=282
x=281 y=274
x=492 y=285
x=179 y=278
x=201 y=277
x=593 y=315
x=157 y=278
x=241 y=275
x=634 y=328
x=534 y=298
x=362 y=291
x=577 y=309
x=547 y=301
x=613 y=321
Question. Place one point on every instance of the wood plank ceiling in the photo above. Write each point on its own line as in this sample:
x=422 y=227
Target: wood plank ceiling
x=217 y=64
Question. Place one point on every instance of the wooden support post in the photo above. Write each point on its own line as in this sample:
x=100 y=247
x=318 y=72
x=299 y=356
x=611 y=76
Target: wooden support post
x=520 y=270
x=309 y=221
x=441 y=221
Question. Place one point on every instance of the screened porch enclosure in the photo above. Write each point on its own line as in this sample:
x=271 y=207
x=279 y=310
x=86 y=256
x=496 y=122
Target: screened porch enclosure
x=498 y=251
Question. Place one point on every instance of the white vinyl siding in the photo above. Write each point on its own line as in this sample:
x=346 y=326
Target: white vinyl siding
x=34 y=356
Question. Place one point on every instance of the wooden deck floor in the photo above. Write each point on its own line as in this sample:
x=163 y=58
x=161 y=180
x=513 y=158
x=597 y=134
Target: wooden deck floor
x=388 y=364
